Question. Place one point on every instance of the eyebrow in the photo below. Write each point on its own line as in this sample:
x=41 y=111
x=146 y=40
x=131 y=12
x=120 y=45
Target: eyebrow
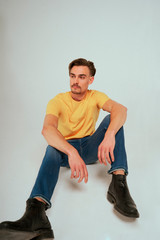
x=82 y=74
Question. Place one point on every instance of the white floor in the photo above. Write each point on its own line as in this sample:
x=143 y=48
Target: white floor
x=81 y=211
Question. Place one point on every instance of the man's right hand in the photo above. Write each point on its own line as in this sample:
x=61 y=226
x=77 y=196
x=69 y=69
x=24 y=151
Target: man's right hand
x=78 y=167
x=56 y=140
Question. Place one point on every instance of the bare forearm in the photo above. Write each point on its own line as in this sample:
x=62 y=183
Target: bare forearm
x=118 y=118
x=55 y=139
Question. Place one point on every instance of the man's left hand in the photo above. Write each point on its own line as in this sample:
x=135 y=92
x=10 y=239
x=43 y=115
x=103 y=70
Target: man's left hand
x=106 y=148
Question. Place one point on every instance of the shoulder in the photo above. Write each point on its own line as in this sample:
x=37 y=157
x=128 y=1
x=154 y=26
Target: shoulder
x=92 y=93
x=60 y=96
x=96 y=93
x=99 y=98
x=56 y=104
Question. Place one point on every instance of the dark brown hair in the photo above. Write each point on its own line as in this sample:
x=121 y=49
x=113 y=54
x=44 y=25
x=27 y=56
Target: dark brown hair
x=83 y=62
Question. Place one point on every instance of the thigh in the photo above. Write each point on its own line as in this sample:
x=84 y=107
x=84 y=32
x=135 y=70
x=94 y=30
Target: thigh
x=76 y=144
x=90 y=146
x=55 y=157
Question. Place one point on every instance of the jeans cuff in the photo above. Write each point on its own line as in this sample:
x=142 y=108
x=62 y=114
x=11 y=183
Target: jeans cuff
x=118 y=168
x=48 y=203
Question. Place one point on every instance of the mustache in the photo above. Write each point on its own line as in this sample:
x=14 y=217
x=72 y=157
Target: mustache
x=75 y=85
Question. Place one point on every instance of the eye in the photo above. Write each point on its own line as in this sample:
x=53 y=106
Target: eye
x=82 y=77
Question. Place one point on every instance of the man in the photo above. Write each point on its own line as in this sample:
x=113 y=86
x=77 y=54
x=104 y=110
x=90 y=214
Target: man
x=69 y=129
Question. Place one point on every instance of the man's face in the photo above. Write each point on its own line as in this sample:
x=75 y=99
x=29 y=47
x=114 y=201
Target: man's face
x=80 y=79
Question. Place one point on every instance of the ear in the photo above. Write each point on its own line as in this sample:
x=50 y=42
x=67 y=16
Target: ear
x=91 y=80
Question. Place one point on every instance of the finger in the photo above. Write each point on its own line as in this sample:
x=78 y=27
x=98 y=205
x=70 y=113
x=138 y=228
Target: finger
x=108 y=158
x=112 y=155
x=81 y=175
x=86 y=174
x=103 y=155
x=72 y=172
x=77 y=173
x=99 y=155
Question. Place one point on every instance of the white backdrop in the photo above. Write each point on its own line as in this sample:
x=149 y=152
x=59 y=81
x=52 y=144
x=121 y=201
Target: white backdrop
x=38 y=39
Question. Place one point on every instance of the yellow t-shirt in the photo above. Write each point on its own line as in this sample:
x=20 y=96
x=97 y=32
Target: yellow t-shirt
x=77 y=119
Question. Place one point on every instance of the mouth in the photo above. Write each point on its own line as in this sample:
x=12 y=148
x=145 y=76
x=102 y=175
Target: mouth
x=75 y=86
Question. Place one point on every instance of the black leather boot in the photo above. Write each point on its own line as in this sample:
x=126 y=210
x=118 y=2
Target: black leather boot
x=118 y=194
x=34 y=224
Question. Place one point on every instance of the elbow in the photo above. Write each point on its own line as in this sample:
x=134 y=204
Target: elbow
x=44 y=130
x=125 y=109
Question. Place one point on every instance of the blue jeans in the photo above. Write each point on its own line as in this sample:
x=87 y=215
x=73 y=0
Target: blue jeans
x=88 y=150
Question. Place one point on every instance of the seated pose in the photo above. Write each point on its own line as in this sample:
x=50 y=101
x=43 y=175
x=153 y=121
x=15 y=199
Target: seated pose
x=69 y=129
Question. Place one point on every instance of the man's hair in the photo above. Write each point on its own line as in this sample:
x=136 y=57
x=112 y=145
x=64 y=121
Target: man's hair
x=83 y=62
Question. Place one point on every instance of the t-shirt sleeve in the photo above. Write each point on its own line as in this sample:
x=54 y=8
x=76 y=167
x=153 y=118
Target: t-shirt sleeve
x=53 y=107
x=101 y=98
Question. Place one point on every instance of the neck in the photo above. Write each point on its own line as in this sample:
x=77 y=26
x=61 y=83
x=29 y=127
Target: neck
x=78 y=97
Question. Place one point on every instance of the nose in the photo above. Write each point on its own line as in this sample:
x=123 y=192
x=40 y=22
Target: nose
x=76 y=80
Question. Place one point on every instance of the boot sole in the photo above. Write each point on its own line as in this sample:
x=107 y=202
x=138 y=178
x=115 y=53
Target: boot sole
x=8 y=234
x=112 y=200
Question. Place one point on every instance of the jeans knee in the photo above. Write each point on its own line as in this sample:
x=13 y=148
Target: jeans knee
x=121 y=131
x=50 y=150
x=52 y=155
x=106 y=120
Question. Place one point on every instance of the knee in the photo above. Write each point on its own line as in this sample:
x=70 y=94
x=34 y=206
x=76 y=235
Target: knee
x=52 y=154
x=107 y=120
x=50 y=150
x=120 y=132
